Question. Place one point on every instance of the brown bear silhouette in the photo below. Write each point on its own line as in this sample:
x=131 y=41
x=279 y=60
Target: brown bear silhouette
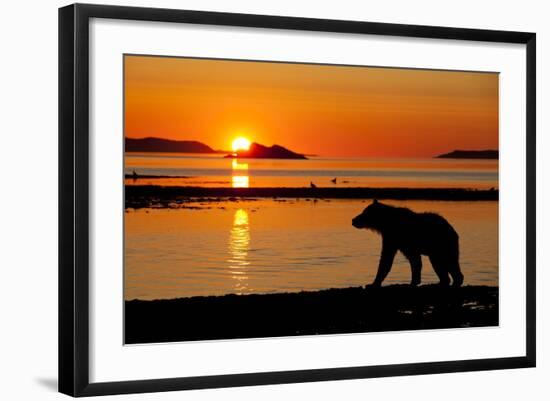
x=413 y=234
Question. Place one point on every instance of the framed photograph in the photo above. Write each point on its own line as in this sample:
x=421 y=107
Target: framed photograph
x=250 y=199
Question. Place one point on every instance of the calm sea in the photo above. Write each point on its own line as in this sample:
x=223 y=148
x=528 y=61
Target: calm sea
x=282 y=245
x=279 y=246
x=217 y=171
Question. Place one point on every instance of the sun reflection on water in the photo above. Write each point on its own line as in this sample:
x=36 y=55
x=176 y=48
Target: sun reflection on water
x=239 y=181
x=239 y=243
x=240 y=174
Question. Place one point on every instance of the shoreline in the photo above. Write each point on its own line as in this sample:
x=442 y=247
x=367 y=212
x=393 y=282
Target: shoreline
x=394 y=307
x=139 y=196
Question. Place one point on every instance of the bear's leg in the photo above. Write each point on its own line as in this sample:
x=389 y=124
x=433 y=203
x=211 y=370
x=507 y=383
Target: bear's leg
x=454 y=265
x=456 y=274
x=386 y=262
x=440 y=268
x=416 y=268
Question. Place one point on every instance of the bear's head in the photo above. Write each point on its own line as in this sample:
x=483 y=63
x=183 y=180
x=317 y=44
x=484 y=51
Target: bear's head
x=371 y=218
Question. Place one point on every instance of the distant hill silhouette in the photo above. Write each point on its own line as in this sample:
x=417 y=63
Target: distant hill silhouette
x=470 y=154
x=258 y=151
x=152 y=144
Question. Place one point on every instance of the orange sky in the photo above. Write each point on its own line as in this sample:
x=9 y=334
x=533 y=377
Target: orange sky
x=324 y=110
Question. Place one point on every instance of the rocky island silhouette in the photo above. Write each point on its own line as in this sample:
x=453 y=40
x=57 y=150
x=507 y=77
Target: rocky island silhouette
x=258 y=151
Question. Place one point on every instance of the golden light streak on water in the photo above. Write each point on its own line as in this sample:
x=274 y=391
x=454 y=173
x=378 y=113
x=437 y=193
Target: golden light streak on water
x=239 y=181
x=239 y=244
x=240 y=174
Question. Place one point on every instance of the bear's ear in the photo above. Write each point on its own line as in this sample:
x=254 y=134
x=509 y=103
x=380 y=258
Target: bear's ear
x=375 y=201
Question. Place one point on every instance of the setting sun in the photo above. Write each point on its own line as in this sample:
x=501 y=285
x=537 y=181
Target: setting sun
x=240 y=143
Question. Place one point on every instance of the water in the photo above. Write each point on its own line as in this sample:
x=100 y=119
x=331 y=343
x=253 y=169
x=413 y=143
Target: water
x=217 y=171
x=266 y=246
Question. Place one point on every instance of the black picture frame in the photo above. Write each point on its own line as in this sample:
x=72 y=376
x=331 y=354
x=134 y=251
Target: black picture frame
x=74 y=198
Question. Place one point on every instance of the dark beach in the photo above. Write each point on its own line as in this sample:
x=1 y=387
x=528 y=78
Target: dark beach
x=139 y=196
x=332 y=311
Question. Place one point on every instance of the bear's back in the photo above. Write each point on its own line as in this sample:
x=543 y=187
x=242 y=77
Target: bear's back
x=435 y=223
x=432 y=233
x=409 y=227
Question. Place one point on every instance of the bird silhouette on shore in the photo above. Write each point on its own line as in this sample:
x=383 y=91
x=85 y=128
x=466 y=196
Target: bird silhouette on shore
x=334 y=180
x=312 y=185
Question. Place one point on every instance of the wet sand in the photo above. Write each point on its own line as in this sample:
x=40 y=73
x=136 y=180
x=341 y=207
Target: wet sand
x=139 y=196
x=332 y=311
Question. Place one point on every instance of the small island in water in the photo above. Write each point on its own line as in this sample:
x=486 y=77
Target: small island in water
x=470 y=154
x=258 y=151
x=152 y=144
